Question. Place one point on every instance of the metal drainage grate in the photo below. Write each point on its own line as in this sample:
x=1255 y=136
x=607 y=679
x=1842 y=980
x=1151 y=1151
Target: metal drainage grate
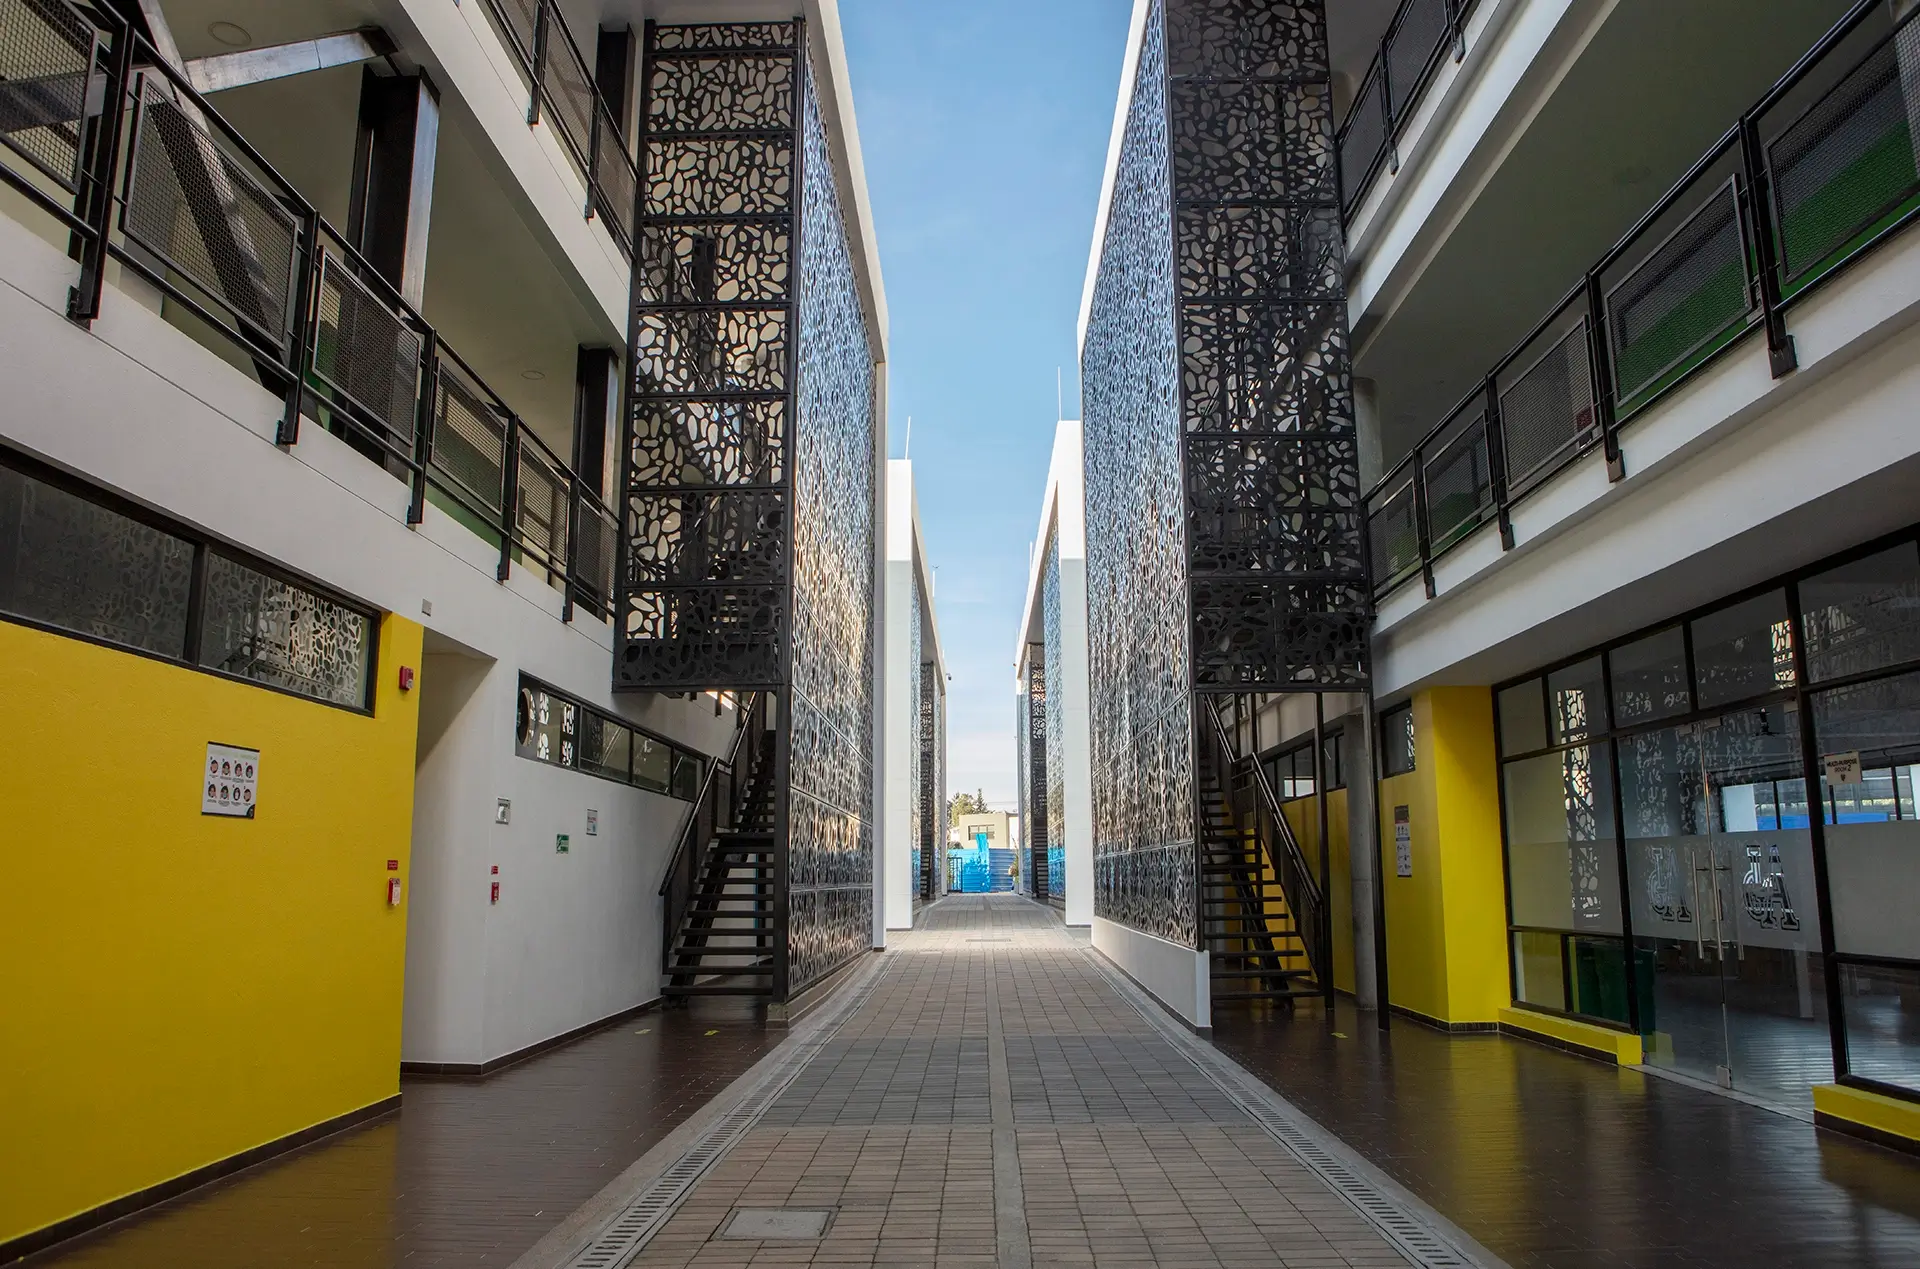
x=625 y=1236
x=1414 y=1238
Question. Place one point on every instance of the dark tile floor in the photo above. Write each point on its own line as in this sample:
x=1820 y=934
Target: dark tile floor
x=1554 y=1160
x=469 y=1173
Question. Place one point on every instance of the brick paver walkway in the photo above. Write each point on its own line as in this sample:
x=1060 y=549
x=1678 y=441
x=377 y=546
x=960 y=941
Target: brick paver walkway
x=997 y=1103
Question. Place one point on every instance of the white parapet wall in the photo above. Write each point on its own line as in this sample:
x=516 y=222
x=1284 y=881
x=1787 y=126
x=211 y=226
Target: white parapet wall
x=909 y=583
x=1175 y=976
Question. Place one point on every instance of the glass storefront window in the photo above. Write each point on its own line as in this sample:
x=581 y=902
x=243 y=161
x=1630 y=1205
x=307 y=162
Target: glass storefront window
x=1523 y=718
x=1569 y=974
x=1539 y=974
x=1563 y=866
x=1650 y=678
x=1882 y=1012
x=1871 y=729
x=1863 y=616
x=1577 y=702
x=1743 y=651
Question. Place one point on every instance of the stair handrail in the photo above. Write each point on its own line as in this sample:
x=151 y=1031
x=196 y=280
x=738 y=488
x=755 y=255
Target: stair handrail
x=1297 y=881
x=749 y=709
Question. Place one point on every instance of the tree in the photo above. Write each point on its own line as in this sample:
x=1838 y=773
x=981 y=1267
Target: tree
x=974 y=803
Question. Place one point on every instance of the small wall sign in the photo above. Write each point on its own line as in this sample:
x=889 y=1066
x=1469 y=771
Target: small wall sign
x=1843 y=768
x=502 y=810
x=593 y=822
x=230 y=782
x=560 y=846
x=1402 y=841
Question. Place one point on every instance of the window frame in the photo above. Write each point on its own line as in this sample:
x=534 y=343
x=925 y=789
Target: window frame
x=675 y=751
x=203 y=544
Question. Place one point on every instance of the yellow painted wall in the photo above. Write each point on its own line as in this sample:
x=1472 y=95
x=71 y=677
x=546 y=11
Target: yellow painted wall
x=180 y=988
x=1446 y=924
x=1304 y=816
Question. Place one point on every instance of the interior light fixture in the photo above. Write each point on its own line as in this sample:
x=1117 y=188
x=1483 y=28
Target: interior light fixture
x=231 y=34
x=535 y=375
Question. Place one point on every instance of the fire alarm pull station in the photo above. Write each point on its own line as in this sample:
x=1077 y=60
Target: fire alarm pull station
x=406 y=678
x=496 y=883
x=393 y=892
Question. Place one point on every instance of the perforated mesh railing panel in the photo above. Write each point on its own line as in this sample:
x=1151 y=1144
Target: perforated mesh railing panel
x=518 y=17
x=1365 y=137
x=613 y=171
x=1459 y=484
x=1416 y=40
x=1849 y=163
x=1546 y=409
x=569 y=92
x=469 y=439
x=1394 y=535
x=594 y=554
x=1691 y=291
x=366 y=353
x=46 y=54
x=540 y=512
x=209 y=219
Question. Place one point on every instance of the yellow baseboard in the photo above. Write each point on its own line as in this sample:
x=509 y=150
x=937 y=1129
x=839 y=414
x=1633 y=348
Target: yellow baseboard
x=1856 y=1107
x=1604 y=1043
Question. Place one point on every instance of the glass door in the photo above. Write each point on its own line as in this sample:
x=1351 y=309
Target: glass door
x=1720 y=860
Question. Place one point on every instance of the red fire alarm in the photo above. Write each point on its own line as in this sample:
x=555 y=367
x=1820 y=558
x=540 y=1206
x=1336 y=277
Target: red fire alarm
x=496 y=883
x=393 y=892
x=406 y=678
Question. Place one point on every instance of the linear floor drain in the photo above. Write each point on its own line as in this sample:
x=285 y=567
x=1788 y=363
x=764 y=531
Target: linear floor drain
x=1413 y=1237
x=622 y=1238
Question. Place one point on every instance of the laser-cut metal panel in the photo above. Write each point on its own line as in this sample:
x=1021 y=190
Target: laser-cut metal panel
x=1034 y=770
x=830 y=894
x=1056 y=724
x=705 y=586
x=917 y=710
x=1277 y=570
x=928 y=837
x=1143 y=818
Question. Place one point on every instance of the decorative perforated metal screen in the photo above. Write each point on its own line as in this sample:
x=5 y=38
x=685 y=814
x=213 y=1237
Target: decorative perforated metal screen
x=830 y=838
x=1224 y=527
x=747 y=536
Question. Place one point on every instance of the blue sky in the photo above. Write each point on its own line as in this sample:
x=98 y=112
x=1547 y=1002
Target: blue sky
x=984 y=128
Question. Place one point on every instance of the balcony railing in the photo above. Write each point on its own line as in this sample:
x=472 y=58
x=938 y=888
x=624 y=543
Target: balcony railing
x=1824 y=168
x=115 y=146
x=1420 y=37
x=562 y=93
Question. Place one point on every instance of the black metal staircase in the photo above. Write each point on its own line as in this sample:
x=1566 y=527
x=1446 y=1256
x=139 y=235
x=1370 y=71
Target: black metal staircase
x=720 y=919
x=1262 y=910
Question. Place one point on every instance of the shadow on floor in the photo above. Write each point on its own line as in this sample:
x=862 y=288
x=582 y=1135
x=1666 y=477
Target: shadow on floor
x=1554 y=1160
x=470 y=1172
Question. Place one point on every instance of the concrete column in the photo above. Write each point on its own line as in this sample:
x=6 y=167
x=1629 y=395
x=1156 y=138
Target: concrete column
x=596 y=401
x=613 y=75
x=1366 y=418
x=391 y=205
x=1363 y=851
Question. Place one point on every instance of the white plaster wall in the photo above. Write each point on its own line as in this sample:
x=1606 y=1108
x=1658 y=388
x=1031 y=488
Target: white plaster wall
x=1076 y=707
x=1175 y=975
x=898 y=729
x=1733 y=479
x=137 y=406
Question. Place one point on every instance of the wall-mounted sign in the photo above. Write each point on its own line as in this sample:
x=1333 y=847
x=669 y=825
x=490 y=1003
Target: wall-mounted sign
x=230 y=782
x=502 y=810
x=593 y=822
x=560 y=846
x=1402 y=841
x=1843 y=768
